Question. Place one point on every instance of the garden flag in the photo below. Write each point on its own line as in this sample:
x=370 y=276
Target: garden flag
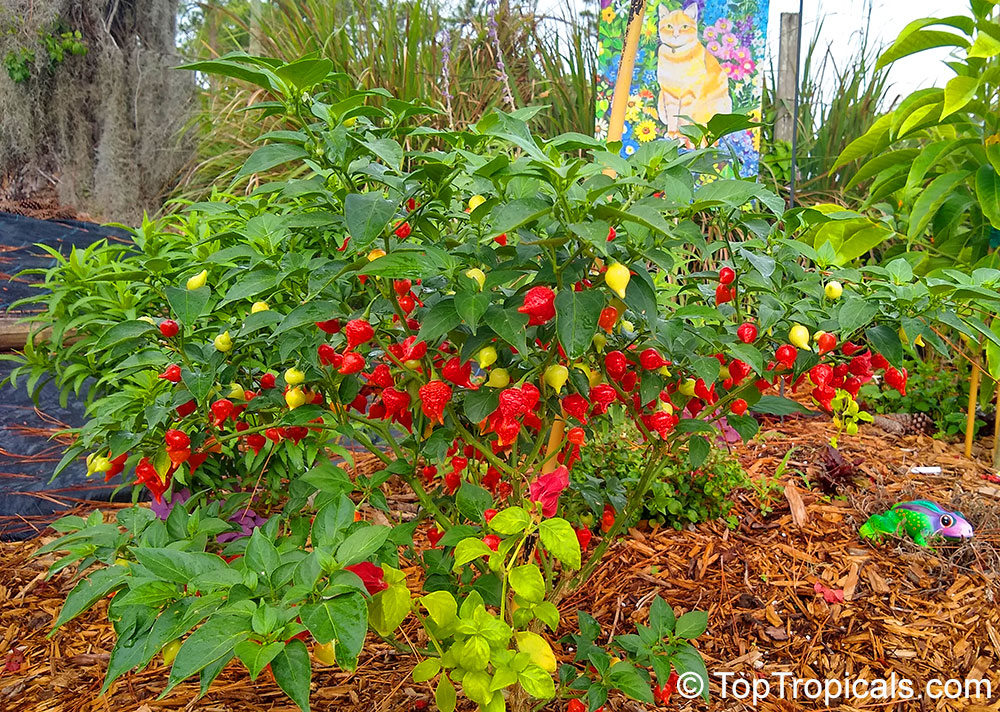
x=696 y=58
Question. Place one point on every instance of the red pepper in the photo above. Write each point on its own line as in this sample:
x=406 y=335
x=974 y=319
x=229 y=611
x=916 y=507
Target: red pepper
x=172 y=373
x=433 y=398
x=358 y=331
x=747 y=333
x=539 y=305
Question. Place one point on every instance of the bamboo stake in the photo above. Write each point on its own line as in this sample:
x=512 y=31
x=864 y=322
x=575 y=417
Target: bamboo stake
x=555 y=440
x=623 y=83
x=970 y=419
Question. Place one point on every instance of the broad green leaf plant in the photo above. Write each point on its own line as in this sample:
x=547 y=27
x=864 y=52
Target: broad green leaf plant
x=467 y=306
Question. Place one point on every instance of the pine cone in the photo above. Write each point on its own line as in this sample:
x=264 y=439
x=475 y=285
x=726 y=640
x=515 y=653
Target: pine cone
x=905 y=423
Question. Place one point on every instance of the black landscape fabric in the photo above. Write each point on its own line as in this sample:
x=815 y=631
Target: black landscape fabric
x=28 y=455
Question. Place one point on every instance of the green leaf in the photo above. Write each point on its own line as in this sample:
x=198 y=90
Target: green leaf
x=661 y=618
x=626 y=678
x=468 y=550
x=776 y=405
x=252 y=284
x=855 y=313
x=187 y=304
x=480 y=403
x=698 y=450
x=261 y=555
x=986 y=46
x=367 y=215
x=256 y=656
x=736 y=194
x=439 y=320
x=327 y=477
x=691 y=624
x=867 y=143
x=471 y=306
x=213 y=640
x=931 y=199
x=472 y=500
x=426 y=670
x=509 y=325
x=512 y=520
x=688 y=660
x=304 y=73
x=885 y=340
x=958 y=92
x=560 y=540
x=409 y=263
x=123 y=331
x=577 y=314
x=441 y=606
x=538 y=683
x=508 y=217
x=918 y=42
x=89 y=591
x=527 y=582
x=178 y=566
x=361 y=544
x=293 y=672
x=388 y=608
x=269 y=156
x=350 y=615
x=445 y=696
x=548 y=614
x=988 y=192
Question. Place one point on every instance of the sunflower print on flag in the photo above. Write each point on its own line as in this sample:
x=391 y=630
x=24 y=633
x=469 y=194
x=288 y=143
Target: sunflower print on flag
x=725 y=38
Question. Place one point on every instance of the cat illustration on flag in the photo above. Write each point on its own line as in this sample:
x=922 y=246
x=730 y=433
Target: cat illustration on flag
x=693 y=85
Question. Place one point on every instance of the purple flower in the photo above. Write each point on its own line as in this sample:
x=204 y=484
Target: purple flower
x=163 y=508
x=247 y=519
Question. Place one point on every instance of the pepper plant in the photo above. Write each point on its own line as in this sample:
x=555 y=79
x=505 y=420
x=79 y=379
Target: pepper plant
x=465 y=305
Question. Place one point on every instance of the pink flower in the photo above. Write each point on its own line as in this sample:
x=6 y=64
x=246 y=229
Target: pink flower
x=372 y=576
x=547 y=488
x=714 y=47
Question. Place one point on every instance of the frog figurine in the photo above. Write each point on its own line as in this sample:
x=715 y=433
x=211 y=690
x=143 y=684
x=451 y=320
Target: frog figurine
x=920 y=519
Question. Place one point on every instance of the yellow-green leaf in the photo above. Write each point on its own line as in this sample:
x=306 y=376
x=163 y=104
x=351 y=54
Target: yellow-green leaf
x=957 y=93
x=537 y=648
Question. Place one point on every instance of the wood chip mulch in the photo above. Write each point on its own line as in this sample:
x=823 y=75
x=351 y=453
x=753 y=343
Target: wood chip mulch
x=790 y=590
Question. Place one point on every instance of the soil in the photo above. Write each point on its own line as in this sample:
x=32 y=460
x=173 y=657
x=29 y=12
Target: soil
x=790 y=590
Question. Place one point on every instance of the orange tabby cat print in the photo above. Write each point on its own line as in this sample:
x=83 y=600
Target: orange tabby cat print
x=693 y=85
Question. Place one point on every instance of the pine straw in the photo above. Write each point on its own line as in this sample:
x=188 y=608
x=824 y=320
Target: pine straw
x=918 y=613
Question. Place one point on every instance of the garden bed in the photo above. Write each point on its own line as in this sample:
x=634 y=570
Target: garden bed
x=919 y=613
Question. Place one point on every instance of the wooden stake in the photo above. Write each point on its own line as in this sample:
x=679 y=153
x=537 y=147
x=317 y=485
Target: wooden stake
x=996 y=431
x=555 y=440
x=970 y=419
x=623 y=84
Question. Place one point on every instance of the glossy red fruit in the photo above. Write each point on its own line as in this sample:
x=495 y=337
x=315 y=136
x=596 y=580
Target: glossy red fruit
x=402 y=287
x=607 y=518
x=358 y=331
x=403 y=230
x=747 y=333
x=275 y=434
x=539 y=305
x=879 y=362
x=576 y=705
x=177 y=439
x=739 y=406
x=186 y=409
x=608 y=318
x=583 y=537
x=726 y=276
x=330 y=326
x=821 y=374
x=723 y=294
x=267 y=381
x=896 y=379
x=221 y=409
x=826 y=343
x=169 y=328
x=489 y=514
x=850 y=349
x=786 y=355
x=650 y=359
x=615 y=363
x=328 y=355
x=612 y=233
x=172 y=373
x=353 y=363
x=501 y=239
x=492 y=541
x=256 y=442
x=434 y=536
x=407 y=304
x=738 y=370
